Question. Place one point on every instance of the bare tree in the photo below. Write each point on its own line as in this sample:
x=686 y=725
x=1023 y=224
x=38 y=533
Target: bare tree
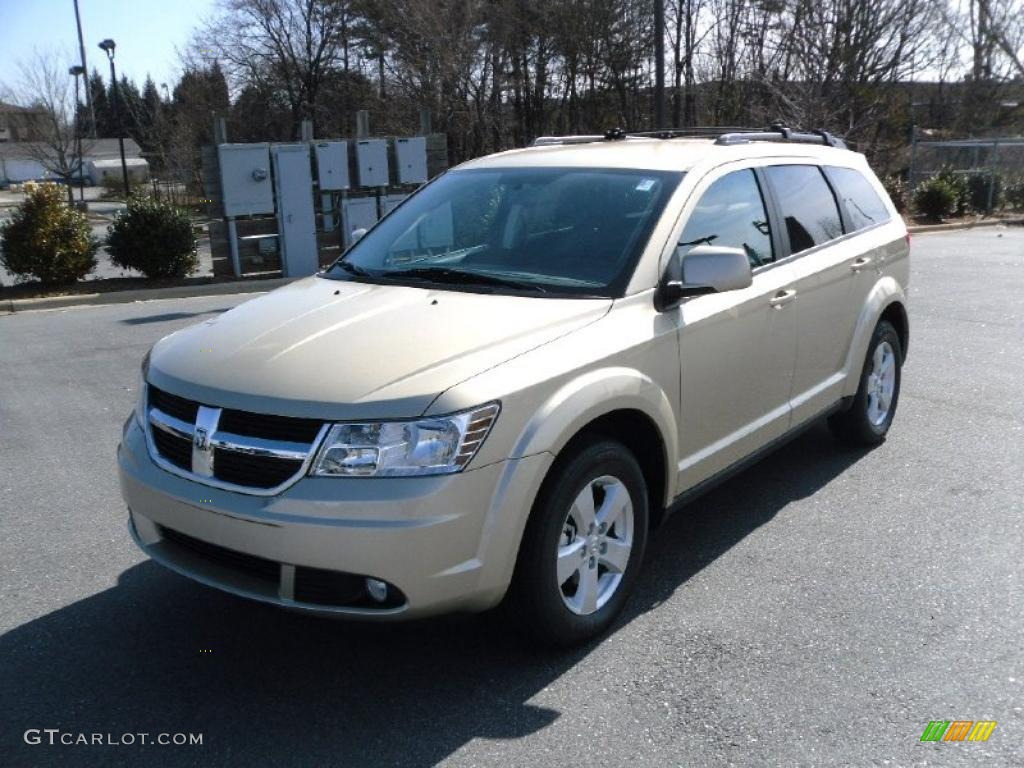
x=45 y=87
x=290 y=45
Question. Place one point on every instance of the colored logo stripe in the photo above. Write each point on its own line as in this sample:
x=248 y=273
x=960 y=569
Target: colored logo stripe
x=934 y=730
x=958 y=730
x=982 y=730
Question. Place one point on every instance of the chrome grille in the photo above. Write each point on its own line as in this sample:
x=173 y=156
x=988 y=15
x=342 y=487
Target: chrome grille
x=238 y=450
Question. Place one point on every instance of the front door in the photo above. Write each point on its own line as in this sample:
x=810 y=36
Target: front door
x=737 y=348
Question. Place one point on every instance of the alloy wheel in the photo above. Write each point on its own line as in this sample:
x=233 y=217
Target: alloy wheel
x=595 y=544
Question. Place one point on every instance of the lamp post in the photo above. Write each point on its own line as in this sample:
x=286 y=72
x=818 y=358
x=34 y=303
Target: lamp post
x=659 y=65
x=76 y=72
x=108 y=46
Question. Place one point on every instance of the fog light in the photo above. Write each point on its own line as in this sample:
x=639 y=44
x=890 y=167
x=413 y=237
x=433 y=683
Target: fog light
x=377 y=589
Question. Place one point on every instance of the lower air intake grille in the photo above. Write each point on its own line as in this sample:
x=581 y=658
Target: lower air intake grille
x=258 y=567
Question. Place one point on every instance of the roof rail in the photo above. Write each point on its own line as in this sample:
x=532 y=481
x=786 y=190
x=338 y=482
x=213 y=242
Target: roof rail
x=723 y=135
x=694 y=132
x=548 y=141
x=782 y=133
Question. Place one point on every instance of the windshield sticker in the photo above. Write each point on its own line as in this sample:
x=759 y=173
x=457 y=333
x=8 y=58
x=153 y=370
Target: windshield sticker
x=646 y=185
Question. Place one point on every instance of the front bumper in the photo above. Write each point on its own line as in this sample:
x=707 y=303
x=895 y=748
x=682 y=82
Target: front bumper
x=445 y=543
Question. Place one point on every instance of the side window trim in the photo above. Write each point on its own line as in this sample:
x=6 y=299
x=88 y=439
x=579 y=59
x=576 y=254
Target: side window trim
x=780 y=238
x=844 y=214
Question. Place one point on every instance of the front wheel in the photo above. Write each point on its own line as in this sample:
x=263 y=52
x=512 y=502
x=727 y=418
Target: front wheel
x=583 y=545
x=870 y=415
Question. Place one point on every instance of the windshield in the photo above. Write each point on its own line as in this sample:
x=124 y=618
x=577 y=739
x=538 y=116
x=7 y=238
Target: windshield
x=557 y=231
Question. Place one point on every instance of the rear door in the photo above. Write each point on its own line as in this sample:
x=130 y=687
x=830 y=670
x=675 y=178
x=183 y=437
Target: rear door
x=824 y=266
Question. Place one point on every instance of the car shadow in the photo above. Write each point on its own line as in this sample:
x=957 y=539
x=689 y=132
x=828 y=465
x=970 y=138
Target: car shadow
x=168 y=316
x=158 y=653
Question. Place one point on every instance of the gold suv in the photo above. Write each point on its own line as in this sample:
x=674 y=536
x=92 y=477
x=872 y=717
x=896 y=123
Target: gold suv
x=499 y=391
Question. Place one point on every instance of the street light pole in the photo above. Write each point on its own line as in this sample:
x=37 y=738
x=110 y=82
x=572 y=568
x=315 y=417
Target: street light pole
x=659 y=64
x=88 y=95
x=76 y=72
x=108 y=47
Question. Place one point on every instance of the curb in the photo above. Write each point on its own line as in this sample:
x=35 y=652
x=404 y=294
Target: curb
x=925 y=228
x=144 y=294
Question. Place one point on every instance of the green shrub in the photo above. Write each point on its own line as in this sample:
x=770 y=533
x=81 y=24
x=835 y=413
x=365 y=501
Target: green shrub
x=1014 y=193
x=961 y=192
x=897 y=191
x=154 y=237
x=935 y=198
x=977 y=190
x=46 y=239
x=113 y=186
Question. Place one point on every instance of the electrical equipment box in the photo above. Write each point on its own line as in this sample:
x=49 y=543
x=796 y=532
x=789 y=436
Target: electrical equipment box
x=389 y=202
x=411 y=159
x=296 y=219
x=332 y=165
x=360 y=213
x=245 y=179
x=372 y=162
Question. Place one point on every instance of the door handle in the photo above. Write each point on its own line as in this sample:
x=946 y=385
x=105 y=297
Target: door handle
x=782 y=298
x=859 y=264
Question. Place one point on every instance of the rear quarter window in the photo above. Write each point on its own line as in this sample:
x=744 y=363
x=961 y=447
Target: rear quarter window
x=864 y=208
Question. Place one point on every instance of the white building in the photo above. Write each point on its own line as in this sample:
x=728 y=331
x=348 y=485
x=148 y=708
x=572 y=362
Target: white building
x=20 y=161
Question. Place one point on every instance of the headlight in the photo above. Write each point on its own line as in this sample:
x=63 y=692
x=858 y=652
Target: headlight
x=140 y=401
x=439 y=445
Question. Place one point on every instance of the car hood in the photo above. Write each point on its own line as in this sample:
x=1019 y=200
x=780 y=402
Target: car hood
x=346 y=350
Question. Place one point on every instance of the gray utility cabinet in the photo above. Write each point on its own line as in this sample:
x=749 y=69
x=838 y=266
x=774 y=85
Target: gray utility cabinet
x=359 y=213
x=332 y=165
x=388 y=203
x=296 y=219
x=372 y=162
x=245 y=179
x=411 y=159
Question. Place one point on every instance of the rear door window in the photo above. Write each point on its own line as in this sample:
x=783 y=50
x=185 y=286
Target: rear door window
x=808 y=206
x=864 y=208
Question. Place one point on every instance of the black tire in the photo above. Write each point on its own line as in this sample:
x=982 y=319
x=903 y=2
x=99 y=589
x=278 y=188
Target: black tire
x=854 y=426
x=535 y=602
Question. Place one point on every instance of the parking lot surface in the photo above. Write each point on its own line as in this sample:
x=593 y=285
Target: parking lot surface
x=818 y=609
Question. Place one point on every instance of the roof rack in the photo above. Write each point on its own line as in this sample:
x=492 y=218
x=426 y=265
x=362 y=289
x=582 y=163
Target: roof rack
x=782 y=133
x=728 y=135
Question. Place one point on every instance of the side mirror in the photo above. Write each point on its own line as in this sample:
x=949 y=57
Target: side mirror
x=706 y=269
x=357 y=235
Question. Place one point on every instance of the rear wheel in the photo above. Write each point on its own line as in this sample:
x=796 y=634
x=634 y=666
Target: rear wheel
x=583 y=545
x=870 y=415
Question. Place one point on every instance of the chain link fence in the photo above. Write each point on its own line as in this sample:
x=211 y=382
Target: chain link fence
x=992 y=165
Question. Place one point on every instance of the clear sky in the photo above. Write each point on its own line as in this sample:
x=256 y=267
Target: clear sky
x=146 y=33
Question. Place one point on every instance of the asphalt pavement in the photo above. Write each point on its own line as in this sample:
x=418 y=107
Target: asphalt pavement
x=819 y=609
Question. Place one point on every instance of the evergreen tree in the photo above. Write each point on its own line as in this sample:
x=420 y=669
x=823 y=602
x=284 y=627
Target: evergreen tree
x=151 y=105
x=199 y=96
x=100 y=107
x=129 y=104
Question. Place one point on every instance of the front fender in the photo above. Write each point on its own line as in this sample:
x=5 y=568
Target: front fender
x=887 y=291
x=592 y=395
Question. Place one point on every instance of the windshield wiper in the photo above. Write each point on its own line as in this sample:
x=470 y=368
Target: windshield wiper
x=352 y=269
x=461 y=277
